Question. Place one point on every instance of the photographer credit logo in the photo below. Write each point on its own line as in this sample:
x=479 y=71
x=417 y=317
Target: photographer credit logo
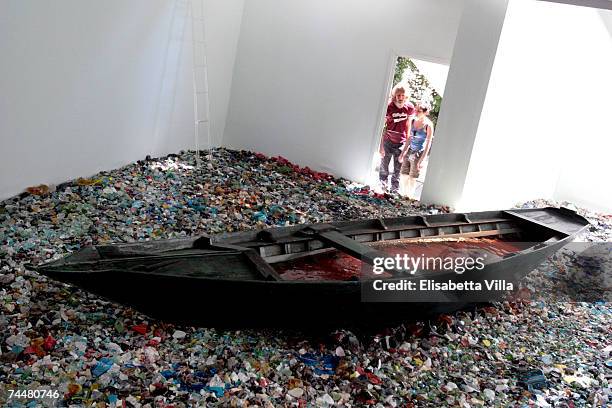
x=429 y=278
x=408 y=264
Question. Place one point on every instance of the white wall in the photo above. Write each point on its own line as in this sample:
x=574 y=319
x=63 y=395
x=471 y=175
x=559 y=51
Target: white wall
x=466 y=88
x=81 y=79
x=223 y=20
x=585 y=173
x=544 y=130
x=311 y=75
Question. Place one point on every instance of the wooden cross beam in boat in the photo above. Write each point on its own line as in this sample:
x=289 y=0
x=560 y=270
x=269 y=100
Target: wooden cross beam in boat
x=330 y=235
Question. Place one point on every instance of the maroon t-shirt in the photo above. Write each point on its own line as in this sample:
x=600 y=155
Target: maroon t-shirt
x=397 y=122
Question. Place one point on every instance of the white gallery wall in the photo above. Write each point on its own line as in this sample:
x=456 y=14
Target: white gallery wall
x=310 y=75
x=466 y=88
x=544 y=130
x=585 y=174
x=89 y=86
x=81 y=84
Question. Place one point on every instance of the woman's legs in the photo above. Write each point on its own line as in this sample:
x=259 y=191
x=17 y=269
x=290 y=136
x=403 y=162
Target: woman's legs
x=410 y=187
x=410 y=173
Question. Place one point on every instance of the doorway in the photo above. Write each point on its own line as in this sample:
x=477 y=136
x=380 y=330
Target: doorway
x=424 y=84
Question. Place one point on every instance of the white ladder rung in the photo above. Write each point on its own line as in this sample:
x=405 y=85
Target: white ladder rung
x=200 y=79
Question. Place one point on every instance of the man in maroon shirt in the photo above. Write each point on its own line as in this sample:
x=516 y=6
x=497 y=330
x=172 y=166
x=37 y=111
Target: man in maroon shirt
x=394 y=137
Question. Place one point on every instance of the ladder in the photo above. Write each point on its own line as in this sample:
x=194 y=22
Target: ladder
x=201 y=107
x=183 y=13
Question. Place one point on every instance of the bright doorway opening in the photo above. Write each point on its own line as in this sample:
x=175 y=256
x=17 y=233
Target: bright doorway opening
x=424 y=84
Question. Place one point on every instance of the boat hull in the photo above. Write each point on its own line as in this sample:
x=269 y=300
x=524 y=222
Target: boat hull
x=253 y=297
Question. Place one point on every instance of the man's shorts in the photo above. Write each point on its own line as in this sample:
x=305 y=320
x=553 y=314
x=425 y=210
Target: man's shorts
x=409 y=166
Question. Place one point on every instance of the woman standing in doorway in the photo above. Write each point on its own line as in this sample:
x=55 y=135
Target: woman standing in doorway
x=420 y=133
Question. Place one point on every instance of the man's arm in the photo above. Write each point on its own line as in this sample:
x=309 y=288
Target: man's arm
x=388 y=122
x=389 y=119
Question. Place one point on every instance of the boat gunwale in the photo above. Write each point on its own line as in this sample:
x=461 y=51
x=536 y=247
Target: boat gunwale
x=479 y=218
x=538 y=247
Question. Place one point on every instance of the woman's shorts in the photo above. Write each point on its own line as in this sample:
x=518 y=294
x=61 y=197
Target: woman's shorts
x=409 y=166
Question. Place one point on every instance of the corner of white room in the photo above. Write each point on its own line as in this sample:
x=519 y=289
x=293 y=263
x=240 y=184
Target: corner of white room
x=542 y=132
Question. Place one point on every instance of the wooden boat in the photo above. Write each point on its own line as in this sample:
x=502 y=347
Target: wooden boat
x=248 y=279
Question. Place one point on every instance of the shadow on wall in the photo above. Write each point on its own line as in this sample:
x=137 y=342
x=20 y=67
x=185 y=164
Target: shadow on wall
x=606 y=17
